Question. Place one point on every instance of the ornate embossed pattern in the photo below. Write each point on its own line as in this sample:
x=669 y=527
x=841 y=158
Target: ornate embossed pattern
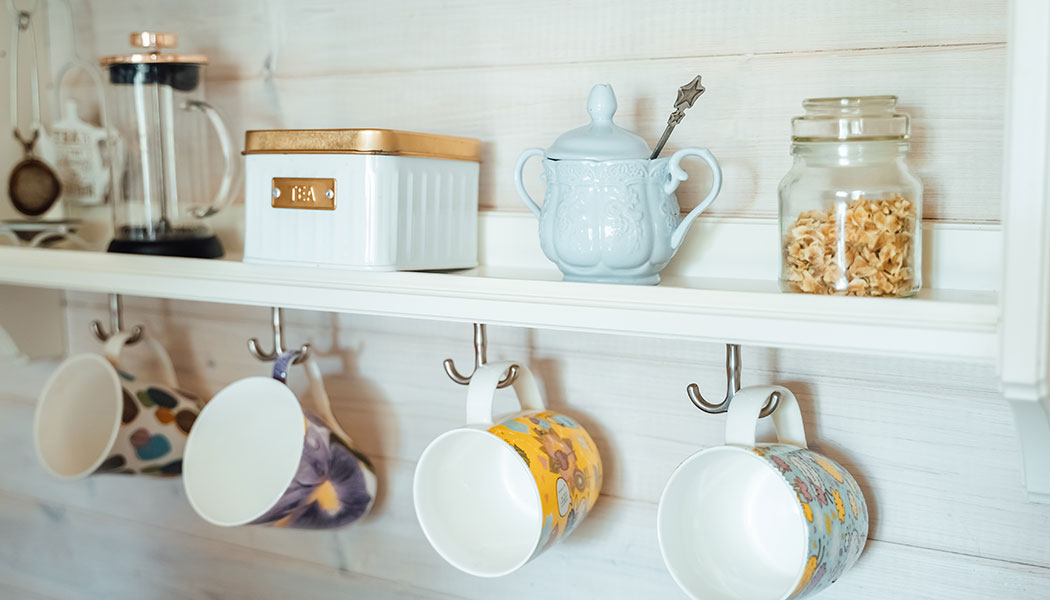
x=608 y=221
x=624 y=218
x=584 y=173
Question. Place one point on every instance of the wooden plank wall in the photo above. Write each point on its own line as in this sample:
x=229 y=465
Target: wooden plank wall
x=516 y=74
x=931 y=442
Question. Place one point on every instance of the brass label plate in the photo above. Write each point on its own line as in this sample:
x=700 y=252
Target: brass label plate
x=302 y=192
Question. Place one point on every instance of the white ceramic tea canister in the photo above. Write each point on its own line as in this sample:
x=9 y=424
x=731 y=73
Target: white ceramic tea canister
x=610 y=214
x=367 y=199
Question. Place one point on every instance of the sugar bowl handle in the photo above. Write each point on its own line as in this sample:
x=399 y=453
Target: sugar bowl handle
x=677 y=175
x=524 y=158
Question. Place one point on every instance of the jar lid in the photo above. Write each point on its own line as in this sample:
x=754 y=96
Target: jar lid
x=858 y=118
x=387 y=142
x=151 y=44
x=602 y=139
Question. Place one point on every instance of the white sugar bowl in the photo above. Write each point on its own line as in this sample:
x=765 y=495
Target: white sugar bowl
x=610 y=214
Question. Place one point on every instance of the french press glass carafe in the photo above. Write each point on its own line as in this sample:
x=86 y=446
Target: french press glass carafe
x=156 y=104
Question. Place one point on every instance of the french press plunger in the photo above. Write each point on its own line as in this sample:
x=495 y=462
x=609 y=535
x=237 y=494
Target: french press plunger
x=156 y=100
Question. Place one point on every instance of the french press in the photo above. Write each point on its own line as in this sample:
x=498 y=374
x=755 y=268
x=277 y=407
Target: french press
x=156 y=103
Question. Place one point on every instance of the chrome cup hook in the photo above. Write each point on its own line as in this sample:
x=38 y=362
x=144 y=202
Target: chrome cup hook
x=278 y=342
x=480 y=358
x=732 y=387
x=116 y=322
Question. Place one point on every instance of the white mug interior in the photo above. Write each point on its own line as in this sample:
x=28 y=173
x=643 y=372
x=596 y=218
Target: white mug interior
x=477 y=503
x=731 y=527
x=78 y=416
x=243 y=451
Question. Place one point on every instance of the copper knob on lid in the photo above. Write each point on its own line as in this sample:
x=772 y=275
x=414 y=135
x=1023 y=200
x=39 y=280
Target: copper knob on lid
x=151 y=40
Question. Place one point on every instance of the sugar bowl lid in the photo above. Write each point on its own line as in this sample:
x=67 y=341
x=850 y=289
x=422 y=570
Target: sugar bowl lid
x=601 y=139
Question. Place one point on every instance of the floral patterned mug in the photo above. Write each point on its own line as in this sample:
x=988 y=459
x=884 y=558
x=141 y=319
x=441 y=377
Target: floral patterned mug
x=256 y=456
x=493 y=495
x=93 y=416
x=760 y=521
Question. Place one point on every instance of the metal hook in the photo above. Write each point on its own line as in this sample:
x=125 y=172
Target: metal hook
x=278 y=342
x=116 y=322
x=732 y=387
x=480 y=358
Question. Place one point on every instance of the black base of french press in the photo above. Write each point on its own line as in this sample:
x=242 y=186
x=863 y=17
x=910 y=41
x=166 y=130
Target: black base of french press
x=195 y=247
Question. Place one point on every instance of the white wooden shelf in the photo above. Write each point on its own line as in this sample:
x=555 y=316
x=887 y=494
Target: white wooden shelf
x=942 y=324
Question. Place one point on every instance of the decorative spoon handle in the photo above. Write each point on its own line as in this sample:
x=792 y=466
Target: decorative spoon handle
x=687 y=95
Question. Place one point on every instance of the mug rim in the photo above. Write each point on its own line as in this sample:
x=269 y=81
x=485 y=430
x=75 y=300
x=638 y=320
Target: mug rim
x=188 y=452
x=114 y=379
x=746 y=450
x=483 y=430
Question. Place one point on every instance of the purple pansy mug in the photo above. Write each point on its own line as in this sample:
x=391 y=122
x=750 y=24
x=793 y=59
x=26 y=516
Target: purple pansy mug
x=257 y=456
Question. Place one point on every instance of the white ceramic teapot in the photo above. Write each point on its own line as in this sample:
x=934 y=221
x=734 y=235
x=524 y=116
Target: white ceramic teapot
x=610 y=214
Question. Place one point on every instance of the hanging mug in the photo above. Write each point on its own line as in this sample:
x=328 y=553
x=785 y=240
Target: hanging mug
x=494 y=494
x=760 y=521
x=92 y=416
x=256 y=456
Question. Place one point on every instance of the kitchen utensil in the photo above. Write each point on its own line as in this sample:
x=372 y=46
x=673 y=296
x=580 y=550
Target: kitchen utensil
x=156 y=101
x=370 y=199
x=760 y=521
x=493 y=495
x=687 y=95
x=610 y=214
x=32 y=186
x=256 y=456
x=95 y=417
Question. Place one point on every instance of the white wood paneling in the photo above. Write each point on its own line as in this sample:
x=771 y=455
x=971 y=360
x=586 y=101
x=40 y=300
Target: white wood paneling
x=321 y=37
x=930 y=441
x=953 y=93
x=926 y=438
x=517 y=75
x=947 y=506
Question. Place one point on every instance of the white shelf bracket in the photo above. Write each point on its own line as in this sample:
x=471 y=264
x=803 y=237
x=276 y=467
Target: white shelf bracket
x=1025 y=299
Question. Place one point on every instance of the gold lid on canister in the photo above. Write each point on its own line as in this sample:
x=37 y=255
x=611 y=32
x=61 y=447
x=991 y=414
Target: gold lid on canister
x=386 y=142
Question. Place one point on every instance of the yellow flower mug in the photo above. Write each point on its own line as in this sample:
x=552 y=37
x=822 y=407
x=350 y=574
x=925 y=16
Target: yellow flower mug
x=760 y=521
x=493 y=495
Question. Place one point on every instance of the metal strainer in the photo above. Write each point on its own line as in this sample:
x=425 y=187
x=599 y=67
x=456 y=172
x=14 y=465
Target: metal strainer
x=33 y=186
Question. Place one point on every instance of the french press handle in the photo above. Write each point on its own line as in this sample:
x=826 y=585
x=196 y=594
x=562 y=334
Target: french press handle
x=224 y=195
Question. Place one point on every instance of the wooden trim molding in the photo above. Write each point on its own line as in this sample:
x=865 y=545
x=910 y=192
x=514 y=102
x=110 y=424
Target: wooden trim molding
x=1025 y=299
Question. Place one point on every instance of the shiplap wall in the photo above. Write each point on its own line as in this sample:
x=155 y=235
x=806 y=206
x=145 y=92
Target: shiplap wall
x=931 y=442
x=516 y=74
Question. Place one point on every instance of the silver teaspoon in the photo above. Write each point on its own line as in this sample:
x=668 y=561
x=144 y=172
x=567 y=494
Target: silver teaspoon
x=687 y=95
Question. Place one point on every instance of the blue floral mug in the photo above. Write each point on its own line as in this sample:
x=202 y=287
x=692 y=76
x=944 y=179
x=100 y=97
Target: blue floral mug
x=760 y=521
x=257 y=456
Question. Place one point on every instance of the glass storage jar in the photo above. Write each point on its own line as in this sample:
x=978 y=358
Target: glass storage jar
x=850 y=209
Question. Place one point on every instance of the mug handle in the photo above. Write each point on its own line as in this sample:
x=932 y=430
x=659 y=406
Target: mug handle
x=482 y=391
x=519 y=185
x=116 y=343
x=319 y=400
x=676 y=175
x=743 y=417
